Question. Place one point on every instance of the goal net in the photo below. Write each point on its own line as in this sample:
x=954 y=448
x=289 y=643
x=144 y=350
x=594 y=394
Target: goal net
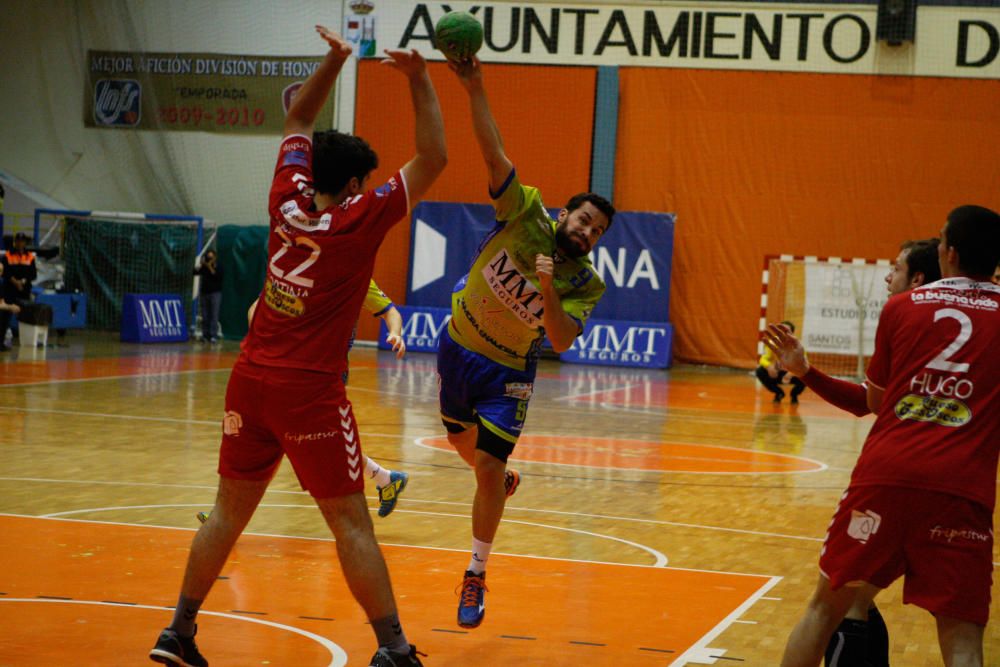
x=833 y=303
x=107 y=255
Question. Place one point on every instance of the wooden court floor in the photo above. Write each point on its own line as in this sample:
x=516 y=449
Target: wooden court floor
x=664 y=518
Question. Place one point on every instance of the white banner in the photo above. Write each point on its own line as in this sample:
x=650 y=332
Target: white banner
x=842 y=306
x=950 y=41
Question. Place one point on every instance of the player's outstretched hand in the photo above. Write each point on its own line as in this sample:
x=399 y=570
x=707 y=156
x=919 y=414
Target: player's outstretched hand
x=469 y=71
x=339 y=48
x=398 y=345
x=787 y=348
x=410 y=63
x=543 y=268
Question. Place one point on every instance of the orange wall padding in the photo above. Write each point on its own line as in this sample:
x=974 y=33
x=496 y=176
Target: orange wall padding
x=545 y=115
x=758 y=163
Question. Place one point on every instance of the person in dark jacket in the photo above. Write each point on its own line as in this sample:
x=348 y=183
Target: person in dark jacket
x=210 y=295
x=19 y=270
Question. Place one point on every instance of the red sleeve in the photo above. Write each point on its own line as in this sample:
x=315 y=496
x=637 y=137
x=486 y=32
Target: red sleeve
x=879 y=365
x=387 y=204
x=292 y=176
x=845 y=395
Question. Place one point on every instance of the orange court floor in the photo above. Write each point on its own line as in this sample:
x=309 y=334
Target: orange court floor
x=664 y=518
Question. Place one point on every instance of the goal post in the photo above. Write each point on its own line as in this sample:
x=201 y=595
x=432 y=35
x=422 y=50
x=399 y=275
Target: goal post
x=834 y=304
x=107 y=254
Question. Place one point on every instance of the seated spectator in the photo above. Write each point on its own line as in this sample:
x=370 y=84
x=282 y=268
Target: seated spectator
x=18 y=269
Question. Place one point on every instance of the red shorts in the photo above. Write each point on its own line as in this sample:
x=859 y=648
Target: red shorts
x=940 y=543
x=271 y=412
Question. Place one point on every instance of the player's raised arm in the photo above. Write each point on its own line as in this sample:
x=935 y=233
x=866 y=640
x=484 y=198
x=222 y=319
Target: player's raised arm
x=470 y=74
x=312 y=96
x=432 y=153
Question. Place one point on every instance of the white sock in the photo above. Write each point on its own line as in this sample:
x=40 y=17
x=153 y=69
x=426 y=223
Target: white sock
x=377 y=472
x=480 y=553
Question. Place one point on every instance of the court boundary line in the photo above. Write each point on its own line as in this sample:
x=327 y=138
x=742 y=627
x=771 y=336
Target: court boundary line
x=823 y=467
x=652 y=411
x=338 y=654
x=701 y=647
x=658 y=556
x=610 y=517
x=396 y=544
x=101 y=378
x=417 y=441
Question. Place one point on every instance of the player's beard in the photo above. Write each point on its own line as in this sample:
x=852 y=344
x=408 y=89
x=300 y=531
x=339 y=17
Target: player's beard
x=567 y=244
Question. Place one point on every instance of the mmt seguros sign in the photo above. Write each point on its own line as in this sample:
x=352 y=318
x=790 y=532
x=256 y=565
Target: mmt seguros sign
x=153 y=318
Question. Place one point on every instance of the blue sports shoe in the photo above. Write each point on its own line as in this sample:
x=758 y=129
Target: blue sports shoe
x=389 y=494
x=472 y=606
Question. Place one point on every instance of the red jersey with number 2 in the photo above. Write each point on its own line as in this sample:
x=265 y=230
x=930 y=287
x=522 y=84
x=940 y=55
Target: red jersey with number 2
x=937 y=356
x=320 y=264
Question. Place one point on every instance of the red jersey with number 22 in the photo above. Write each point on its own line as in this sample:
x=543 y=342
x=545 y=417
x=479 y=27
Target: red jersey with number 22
x=937 y=356
x=320 y=264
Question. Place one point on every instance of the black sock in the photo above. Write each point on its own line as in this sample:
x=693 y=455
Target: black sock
x=848 y=644
x=184 y=616
x=389 y=634
x=878 y=639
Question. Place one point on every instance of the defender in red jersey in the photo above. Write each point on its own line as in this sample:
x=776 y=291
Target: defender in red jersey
x=862 y=637
x=922 y=494
x=286 y=394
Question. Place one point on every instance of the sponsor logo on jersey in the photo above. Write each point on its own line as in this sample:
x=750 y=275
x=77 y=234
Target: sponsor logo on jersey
x=299 y=438
x=117 y=102
x=298 y=218
x=296 y=145
x=232 y=422
x=386 y=188
x=293 y=214
x=297 y=158
x=941 y=533
x=282 y=301
x=863 y=525
x=483 y=333
x=519 y=390
x=931 y=295
x=513 y=289
x=941 y=411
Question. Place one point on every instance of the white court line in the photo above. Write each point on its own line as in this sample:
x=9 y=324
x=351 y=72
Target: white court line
x=169 y=420
x=409 y=498
x=570 y=397
x=109 y=415
x=421 y=442
x=393 y=544
x=700 y=647
x=337 y=654
x=610 y=517
x=660 y=560
x=114 y=377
